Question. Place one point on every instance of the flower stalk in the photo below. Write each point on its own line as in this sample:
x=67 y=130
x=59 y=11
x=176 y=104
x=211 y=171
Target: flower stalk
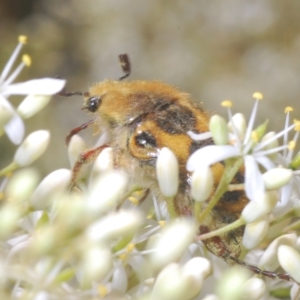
x=228 y=175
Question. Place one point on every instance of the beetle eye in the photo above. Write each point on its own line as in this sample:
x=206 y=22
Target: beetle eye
x=92 y=104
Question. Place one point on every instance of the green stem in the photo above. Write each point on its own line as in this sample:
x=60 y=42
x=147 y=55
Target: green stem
x=197 y=209
x=293 y=226
x=288 y=215
x=228 y=174
x=222 y=230
x=8 y=169
x=171 y=208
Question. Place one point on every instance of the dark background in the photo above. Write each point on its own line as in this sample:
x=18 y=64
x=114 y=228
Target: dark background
x=214 y=50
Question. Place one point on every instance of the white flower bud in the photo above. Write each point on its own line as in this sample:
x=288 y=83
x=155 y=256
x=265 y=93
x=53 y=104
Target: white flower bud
x=103 y=163
x=42 y=295
x=231 y=285
x=255 y=210
x=96 y=263
x=289 y=259
x=254 y=233
x=269 y=260
x=21 y=185
x=254 y=289
x=75 y=217
x=174 y=283
x=202 y=182
x=76 y=146
x=199 y=267
x=32 y=104
x=171 y=244
x=119 y=279
x=32 y=148
x=211 y=297
x=45 y=241
x=240 y=125
x=294 y=292
x=106 y=192
x=219 y=130
x=9 y=216
x=277 y=178
x=167 y=172
x=115 y=225
x=51 y=186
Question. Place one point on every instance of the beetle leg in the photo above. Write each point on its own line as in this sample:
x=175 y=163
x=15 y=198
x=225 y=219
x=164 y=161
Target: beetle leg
x=78 y=129
x=84 y=158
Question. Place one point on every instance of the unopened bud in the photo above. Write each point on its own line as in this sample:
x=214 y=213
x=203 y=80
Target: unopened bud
x=219 y=130
x=289 y=259
x=167 y=172
x=255 y=210
x=32 y=148
x=202 y=182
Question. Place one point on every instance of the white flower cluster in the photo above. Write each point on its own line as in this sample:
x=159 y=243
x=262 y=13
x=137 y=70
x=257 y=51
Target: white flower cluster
x=271 y=184
x=38 y=94
x=97 y=243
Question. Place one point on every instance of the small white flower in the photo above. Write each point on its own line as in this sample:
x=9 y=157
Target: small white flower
x=243 y=144
x=46 y=86
x=32 y=148
x=269 y=259
x=291 y=191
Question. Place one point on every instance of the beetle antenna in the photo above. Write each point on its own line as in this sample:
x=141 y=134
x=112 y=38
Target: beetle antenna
x=63 y=93
x=125 y=65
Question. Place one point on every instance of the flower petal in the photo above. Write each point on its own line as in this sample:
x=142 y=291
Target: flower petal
x=44 y=86
x=254 y=184
x=209 y=155
x=285 y=200
x=265 y=162
x=14 y=128
x=6 y=112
